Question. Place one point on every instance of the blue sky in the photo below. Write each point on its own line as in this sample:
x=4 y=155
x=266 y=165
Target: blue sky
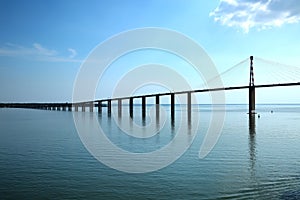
x=43 y=43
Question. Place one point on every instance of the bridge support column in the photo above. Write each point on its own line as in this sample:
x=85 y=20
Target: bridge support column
x=157 y=106
x=251 y=89
x=76 y=108
x=109 y=107
x=172 y=106
x=189 y=106
x=143 y=107
x=131 y=107
x=119 y=107
x=64 y=108
x=251 y=100
x=92 y=107
x=83 y=107
x=58 y=108
x=100 y=107
x=70 y=107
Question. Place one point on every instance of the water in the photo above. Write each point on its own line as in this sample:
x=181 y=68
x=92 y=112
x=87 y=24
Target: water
x=42 y=157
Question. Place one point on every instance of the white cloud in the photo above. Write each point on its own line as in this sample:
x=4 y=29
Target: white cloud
x=73 y=53
x=43 y=51
x=36 y=52
x=262 y=14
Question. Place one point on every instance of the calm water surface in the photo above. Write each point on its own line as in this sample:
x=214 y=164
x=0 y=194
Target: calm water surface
x=42 y=157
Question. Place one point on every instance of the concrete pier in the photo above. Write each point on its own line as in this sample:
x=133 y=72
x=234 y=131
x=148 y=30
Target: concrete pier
x=252 y=100
x=76 y=107
x=189 y=106
x=157 y=106
x=119 y=107
x=172 y=106
x=251 y=89
x=100 y=107
x=131 y=107
x=143 y=107
x=109 y=107
x=91 y=107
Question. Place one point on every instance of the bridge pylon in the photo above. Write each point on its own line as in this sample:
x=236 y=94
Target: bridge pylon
x=251 y=89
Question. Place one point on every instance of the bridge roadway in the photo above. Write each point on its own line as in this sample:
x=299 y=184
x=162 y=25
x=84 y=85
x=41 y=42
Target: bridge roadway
x=98 y=103
x=202 y=90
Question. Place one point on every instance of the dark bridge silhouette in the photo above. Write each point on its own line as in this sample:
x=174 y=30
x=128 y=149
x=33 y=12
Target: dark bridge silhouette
x=99 y=104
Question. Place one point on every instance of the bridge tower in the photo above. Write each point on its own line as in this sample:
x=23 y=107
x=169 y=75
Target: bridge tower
x=251 y=89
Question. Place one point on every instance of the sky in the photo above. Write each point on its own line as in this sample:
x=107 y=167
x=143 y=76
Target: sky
x=43 y=44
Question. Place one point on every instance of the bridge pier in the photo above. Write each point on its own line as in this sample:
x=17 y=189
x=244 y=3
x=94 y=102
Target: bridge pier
x=251 y=100
x=76 y=108
x=172 y=106
x=251 y=89
x=109 y=107
x=189 y=106
x=92 y=107
x=157 y=106
x=119 y=107
x=100 y=107
x=143 y=107
x=83 y=107
x=131 y=107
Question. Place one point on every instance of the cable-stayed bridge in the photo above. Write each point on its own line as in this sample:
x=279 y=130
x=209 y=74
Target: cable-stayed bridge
x=272 y=74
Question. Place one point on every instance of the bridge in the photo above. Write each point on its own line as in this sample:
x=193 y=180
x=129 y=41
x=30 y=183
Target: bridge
x=100 y=104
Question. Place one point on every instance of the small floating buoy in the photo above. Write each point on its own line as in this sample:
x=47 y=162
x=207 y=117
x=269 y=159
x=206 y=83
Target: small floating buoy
x=258 y=115
x=271 y=111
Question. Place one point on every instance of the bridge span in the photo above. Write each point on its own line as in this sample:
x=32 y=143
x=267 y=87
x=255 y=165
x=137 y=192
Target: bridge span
x=99 y=104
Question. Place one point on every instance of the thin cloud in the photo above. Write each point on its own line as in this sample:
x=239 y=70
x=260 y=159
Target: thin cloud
x=36 y=52
x=43 y=51
x=261 y=14
x=73 y=53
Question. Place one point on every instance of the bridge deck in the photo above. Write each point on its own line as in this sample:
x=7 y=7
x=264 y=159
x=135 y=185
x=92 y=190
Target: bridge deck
x=203 y=90
x=88 y=103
